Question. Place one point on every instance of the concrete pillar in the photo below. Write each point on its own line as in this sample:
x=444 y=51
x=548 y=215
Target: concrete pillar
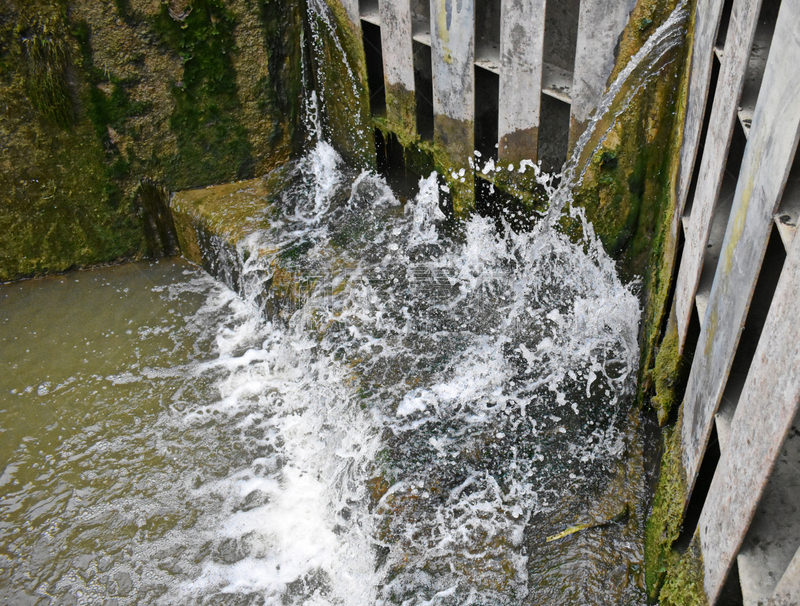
x=707 y=17
x=765 y=167
x=521 y=48
x=452 y=57
x=600 y=26
x=398 y=64
x=741 y=30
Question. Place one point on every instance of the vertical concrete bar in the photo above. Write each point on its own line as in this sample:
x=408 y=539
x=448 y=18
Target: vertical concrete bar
x=398 y=65
x=453 y=52
x=707 y=16
x=600 y=25
x=741 y=30
x=768 y=404
x=521 y=49
x=765 y=168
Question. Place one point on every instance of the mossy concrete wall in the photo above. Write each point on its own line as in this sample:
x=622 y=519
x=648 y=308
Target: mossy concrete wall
x=98 y=97
x=630 y=194
x=340 y=81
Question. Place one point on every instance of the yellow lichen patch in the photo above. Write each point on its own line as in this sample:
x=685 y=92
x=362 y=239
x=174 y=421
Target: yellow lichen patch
x=739 y=221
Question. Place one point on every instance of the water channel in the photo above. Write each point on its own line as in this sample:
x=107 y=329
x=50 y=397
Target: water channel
x=387 y=411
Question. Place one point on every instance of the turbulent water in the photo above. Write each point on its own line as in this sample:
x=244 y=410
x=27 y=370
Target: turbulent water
x=382 y=428
x=390 y=410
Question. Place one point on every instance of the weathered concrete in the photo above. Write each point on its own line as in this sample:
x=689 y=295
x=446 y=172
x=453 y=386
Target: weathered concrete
x=599 y=27
x=774 y=534
x=521 y=47
x=741 y=30
x=453 y=46
x=765 y=167
x=452 y=56
x=764 y=415
x=398 y=63
x=707 y=16
x=787 y=593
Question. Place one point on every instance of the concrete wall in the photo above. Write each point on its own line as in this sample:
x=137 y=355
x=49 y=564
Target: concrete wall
x=512 y=63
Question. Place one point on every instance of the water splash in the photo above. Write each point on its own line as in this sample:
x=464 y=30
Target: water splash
x=491 y=370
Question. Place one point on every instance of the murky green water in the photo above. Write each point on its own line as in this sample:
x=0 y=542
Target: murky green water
x=96 y=371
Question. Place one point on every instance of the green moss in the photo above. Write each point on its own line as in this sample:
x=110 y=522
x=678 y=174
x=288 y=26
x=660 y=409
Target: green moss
x=340 y=76
x=59 y=205
x=107 y=110
x=454 y=143
x=61 y=213
x=664 y=245
x=664 y=523
x=281 y=90
x=46 y=55
x=669 y=373
x=212 y=142
x=684 y=584
x=401 y=110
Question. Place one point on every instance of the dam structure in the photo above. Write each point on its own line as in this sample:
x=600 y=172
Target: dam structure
x=639 y=156
x=520 y=80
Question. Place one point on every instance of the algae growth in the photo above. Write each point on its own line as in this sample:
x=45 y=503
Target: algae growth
x=101 y=98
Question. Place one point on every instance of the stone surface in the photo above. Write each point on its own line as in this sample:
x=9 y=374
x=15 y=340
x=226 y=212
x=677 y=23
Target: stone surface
x=145 y=96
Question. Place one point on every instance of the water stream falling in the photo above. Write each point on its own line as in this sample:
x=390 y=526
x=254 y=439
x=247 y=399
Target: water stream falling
x=383 y=414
